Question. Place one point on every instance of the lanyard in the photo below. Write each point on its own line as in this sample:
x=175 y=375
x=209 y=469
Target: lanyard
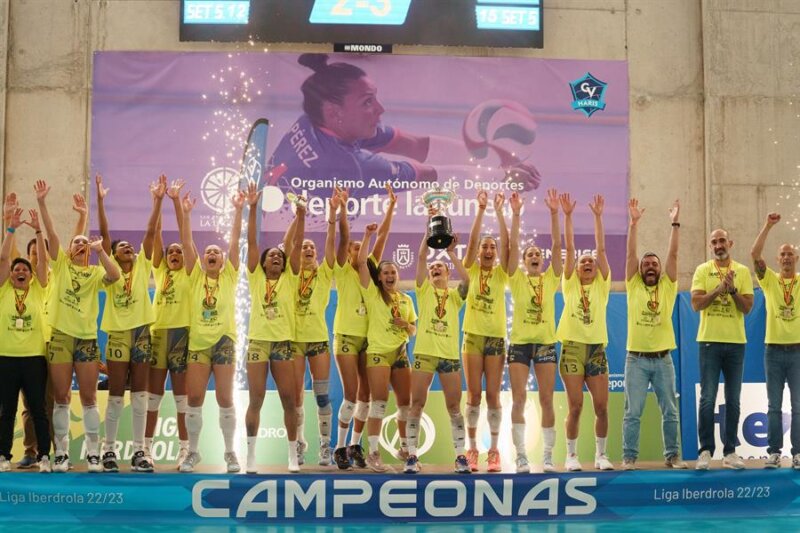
x=484 y=281
x=395 y=306
x=305 y=283
x=127 y=283
x=19 y=301
x=584 y=300
x=167 y=283
x=787 y=290
x=538 y=291
x=210 y=291
x=441 y=302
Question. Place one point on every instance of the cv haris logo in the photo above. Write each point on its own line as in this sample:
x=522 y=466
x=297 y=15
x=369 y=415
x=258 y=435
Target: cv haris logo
x=588 y=94
x=403 y=255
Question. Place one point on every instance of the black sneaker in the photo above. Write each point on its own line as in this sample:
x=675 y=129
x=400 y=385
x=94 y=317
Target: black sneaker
x=356 y=454
x=93 y=464
x=140 y=462
x=110 y=462
x=341 y=459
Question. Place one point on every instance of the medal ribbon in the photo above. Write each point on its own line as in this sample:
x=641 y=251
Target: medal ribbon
x=305 y=283
x=653 y=297
x=441 y=302
x=484 y=281
x=787 y=292
x=538 y=290
x=128 y=282
x=584 y=300
x=19 y=301
x=722 y=298
x=167 y=282
x=210 y=291
x=395 y=306
x=270 y=292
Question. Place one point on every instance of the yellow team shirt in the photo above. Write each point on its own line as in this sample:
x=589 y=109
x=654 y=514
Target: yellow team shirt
x=486 y=302
x=722 y=321
x=22 y=320
x=351 y=312
x=172 y=305
x=534 y=298
x=650 y=314
x=438 y=328
x=73 y=304
x=213 y=313
x=272 y=306
x=313 y=294
x=781 y=296
x=584 y=316
x=127 y=304
x=382 y=335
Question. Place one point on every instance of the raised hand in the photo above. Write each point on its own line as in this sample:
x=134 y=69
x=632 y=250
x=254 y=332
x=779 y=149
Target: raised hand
x=499 y=200
x=16 y=218
x=101 y=191
x=188 y=202
x=390 y=192
x=174 y=189
x=34 y=221
x=552 y=201
x=344 y=194
x=253 y=194
x=238 y=200
x=79 y=204
x=41 y=188
x=333 y=202
x=96 y=244
x=452 y=247
x=674 y=211
x=567 y=203
x=773 y=218
x=633 y=209
x=596 y=205
x=483 y=199
x=370 y=229
x=159 y=188
x=516 y=201
x=10 y=205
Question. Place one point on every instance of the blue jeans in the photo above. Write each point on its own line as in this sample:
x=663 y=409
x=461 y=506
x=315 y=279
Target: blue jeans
x=639 y=372
x=782 y=365
x=729 y=359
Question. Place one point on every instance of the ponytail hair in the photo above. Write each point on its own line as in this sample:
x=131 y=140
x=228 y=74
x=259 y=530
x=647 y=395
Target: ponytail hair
x=329 y=83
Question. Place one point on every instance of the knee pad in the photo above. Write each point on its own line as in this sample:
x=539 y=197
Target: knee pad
x=91 y=418
x=323 y=400
x=181 y=403
x=324 y=408
x=377 y=409
x=139 y=401
x=61 y=419
x=113 y=410
x=227 y=418
x=346 y=411
x=473 y=415
x=154 y=401
x=494 y=417
x=362 y=411
x=402 y=413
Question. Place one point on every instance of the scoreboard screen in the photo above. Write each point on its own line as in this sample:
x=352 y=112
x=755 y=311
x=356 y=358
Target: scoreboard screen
x=492 y=23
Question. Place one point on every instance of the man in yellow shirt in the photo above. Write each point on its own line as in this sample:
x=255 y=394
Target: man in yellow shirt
x=722 y=291
x=651 y=298
x=782 y=353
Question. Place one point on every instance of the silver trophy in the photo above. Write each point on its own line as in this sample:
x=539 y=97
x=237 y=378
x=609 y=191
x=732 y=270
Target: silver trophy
x=440 y=230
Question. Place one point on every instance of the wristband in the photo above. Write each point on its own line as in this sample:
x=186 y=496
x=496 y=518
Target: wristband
x=733 y=291
x=676 y=224
x=10 y=230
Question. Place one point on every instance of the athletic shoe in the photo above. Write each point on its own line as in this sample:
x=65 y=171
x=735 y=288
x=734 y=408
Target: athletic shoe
x=110 y=462
x=547 y=463
x=412 y=465
x=773 y=461
x=325 y=458
x=61 y=463
x=493 y=461
x=5 y=464
x=250 y=465
x=733 y=462
x=375 y=464
x=232 y=462
x=182 y=453
x=302 y=446
x=27 y=462
x=402 y=454
x=796 y=461
x=294 y=467
x=674 y=461
x=629 y=463
x=601 y=462
x=341 y=458
x=93 y=464
x=472 y=459
x=188 y=464
x=703 y=460
x=139 y=462
x=462 y=466
x=356 y=453
x=522 y=464
x=572 y=464
x=44 y=465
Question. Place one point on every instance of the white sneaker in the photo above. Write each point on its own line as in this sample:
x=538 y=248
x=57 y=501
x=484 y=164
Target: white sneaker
x=547 y=463
x=703 y=460
x=522 y=464
x=44 y=465
x=5 y=464
x=375 y=464
x=250 y=467
x=773 y=461
x=61 y=463
x=325 y=454
x=182 y=454
x=294 y=466
x=232 y=462
x=93 y=464
x=796 y=461
x=733 y=461
x=572 y=464
x=188 y=464
x=674 y=461
x=601 y=462
x=629 y=463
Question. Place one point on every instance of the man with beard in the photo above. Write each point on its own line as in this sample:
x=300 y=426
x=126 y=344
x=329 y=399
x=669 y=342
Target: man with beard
x=651 y=339
x=722 y=291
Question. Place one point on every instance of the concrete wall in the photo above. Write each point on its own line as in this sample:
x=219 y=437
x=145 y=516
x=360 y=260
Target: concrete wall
x=712 y=84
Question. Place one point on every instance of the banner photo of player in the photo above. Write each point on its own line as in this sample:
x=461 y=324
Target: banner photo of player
x=361 y=123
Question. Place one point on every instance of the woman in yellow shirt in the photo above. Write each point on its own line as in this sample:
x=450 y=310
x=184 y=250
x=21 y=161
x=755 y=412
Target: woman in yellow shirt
x=273 y=285
x=212 y=327
x=391 y=322
x=583 y=334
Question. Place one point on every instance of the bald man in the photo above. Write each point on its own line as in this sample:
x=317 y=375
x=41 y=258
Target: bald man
x=722 y=292
x=782 y=339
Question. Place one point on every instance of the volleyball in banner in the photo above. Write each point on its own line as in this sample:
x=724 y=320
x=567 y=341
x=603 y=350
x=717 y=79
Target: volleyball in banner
x=504 y=127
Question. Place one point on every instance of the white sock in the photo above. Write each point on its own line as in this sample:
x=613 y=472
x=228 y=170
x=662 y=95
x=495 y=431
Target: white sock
x=458 y=431
x=572 y=446
x=227 y=423
x=251 y=448
x=61 y=427
x=549 y=437
x=355 y=437
x=373 y=443
x=600 y=445
x=139 y=408
x=148 y=444
x=518 y=436
x=412 y=433
x=341 y=437
x=293 y=452
x=194 y=425
x=113 y=413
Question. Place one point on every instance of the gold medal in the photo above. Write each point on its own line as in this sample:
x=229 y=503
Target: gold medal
x=19 y=323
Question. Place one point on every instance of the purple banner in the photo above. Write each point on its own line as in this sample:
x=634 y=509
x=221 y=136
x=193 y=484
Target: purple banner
x=503 y=124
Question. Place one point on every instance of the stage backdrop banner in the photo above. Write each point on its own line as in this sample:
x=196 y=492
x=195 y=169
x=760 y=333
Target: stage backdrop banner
x=501 y=124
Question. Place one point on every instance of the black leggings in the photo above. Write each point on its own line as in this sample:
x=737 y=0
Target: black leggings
x=28 y=374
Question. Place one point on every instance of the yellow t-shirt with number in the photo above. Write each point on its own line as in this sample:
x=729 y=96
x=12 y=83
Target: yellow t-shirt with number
x=486 y=302
x=534 y=297
x=313 y=294
x=576 y=324
x=172 y=304
x=213 y=313
x=128 y=309
x=73 y=304
x=650 y=314
x=781 y=297
x=272 y=306
x=722 y=321
x=23 y=333
x=382 y=335
x=438 y=328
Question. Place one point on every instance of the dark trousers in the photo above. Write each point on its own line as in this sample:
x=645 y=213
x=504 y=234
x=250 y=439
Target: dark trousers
x=29 y=375
x=728 y=358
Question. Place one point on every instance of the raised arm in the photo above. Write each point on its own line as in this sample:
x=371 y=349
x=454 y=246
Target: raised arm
x=299 y=235
x=183 y=214
x=361 y=261
x=253 y=196
x=236 y=228
x=9 y=208
x=157 y=191
x=516 y=202
x=556 y=261
x=14 y=222
x=288 y=237
x=386 y=225
x=671 y=267
x=102 y=220
x=80 y=207
x=158 y=244
x=330 y=236
x=422 y=255
x=41 y=249
x=758 y=246
x=475 y=232
x=568 y=206
x=344 y=228
x=499 y=200
x=41 y=188
x=631 y=255
x=112 y=271
x=599 y=235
